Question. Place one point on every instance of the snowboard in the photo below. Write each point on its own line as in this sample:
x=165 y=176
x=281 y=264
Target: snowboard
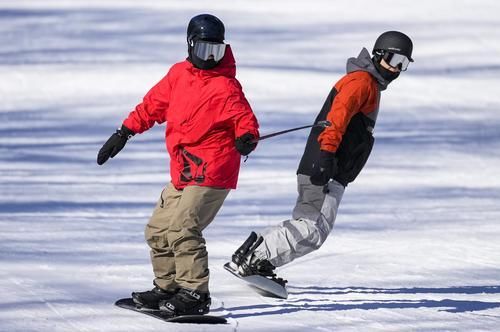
x=129 y=304
x=265 y=286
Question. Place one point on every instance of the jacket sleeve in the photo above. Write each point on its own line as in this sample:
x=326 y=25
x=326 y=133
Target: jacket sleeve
x=238 y=111
x=153 y=108
x=348 y=101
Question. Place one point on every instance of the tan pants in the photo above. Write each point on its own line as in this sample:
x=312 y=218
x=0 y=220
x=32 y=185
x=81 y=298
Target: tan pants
x=178 y=252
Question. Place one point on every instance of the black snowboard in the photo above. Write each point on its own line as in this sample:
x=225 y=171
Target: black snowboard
x=128 y=303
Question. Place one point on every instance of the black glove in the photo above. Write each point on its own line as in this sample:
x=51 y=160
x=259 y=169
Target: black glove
x=114 y=144
x=244 y=144
x=327 y=168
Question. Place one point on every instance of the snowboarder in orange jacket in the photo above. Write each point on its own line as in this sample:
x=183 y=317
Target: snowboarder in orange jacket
x=333 y=157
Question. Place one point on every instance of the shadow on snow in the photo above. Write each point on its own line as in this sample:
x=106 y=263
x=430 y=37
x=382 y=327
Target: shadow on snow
x=296 y=303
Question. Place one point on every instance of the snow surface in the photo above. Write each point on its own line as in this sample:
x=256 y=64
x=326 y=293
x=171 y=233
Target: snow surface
x=416 y=244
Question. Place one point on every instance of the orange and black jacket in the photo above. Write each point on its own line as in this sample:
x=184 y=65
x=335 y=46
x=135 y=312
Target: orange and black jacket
x=352 y=108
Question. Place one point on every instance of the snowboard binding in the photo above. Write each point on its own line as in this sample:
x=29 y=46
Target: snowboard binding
x=187 y=302
x=248 y=264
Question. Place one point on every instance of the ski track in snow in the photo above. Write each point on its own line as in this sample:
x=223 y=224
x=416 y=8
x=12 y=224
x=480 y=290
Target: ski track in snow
x=415 y=246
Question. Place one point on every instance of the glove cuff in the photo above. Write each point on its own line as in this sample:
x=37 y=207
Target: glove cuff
x=125 y=132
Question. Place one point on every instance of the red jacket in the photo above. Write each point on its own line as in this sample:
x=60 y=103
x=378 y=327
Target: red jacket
x=205 y=111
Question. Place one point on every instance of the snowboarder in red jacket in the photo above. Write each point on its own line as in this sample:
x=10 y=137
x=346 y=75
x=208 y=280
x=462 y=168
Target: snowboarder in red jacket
x=210 y=124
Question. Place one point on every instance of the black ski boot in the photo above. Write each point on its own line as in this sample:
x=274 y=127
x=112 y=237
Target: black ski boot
x=187 y=302
x=247 y=264
x=151 y=299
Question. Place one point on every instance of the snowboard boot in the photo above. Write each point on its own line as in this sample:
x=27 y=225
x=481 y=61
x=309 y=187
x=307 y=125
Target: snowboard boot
x=151 y=299
x=187 y=302
x=248 y=264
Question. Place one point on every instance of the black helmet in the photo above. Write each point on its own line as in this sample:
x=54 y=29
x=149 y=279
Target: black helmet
x=205 y=39
x=206 y=27
x=394 y=42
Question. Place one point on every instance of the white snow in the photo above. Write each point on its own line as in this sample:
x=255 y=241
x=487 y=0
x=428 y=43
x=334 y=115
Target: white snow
x=416 y=243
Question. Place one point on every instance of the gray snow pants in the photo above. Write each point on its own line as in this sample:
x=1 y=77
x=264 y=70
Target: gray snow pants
x=313 y=218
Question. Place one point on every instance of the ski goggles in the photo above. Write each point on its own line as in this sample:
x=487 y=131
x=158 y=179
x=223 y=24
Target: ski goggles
x=396 y=60
x=205 y=49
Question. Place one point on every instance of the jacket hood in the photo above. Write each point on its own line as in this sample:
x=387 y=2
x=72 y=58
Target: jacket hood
x=226 y=67
x=364 y=63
